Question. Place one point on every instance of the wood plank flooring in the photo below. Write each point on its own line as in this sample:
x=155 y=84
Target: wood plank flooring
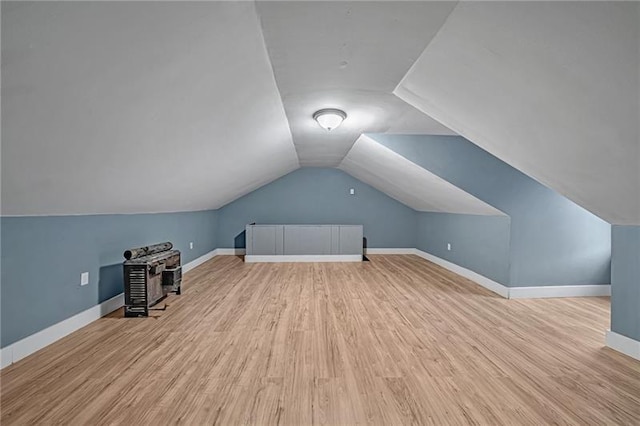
x=397 y=340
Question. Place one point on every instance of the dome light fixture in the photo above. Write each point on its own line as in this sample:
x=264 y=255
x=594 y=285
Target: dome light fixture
x=329 y=118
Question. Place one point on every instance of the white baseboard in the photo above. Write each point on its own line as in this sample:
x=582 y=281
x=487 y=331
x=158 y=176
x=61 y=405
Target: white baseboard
x=390 y=251
x=520 y=292
x=22 y=348
x=30 y=344
x=485 y=282
x=304 y=258
x=230 y=251
x=559 y=291
x=241 y=251
x=199 y=261
x=624 y=344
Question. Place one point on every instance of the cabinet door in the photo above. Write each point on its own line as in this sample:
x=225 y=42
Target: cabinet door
x=351 y=239
x=335 y=239
x=264 y=240
x=307 y=239
x=279 y=239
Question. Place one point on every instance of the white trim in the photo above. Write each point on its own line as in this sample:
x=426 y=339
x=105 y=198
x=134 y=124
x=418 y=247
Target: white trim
x=30 y=344
x=624 y=344
x=241 y=251
x=230 y=252
x=390 y=251
x=485 y=282
x=199 y=261
x=304 y=258
x=33 y=343
x=559 y=291
x=521 y=292
x=22 y=348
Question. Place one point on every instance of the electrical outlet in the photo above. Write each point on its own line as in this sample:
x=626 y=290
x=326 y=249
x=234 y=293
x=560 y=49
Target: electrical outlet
x=449 y=246
x=352 y=191
x=191 y=245
x=84 y=278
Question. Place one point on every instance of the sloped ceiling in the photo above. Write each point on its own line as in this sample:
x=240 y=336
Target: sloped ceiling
x=407 y=182
x=551 y=88
x=347 y=55
x=123 y=107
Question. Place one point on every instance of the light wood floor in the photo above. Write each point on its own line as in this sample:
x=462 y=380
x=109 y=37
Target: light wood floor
x=397 y=340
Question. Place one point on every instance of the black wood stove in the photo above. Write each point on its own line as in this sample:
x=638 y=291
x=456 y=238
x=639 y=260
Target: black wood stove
x=150 y=273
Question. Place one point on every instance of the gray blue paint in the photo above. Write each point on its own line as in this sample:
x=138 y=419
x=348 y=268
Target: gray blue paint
x=553 y=241
x=625 y=281
x=320 y=196
x=43 y=257
x=478 y=243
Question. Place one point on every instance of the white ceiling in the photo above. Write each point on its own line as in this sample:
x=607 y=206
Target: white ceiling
x=347 y=55
x=119 y=107
x=391 y=173
x=122 y=107
x=552 y=88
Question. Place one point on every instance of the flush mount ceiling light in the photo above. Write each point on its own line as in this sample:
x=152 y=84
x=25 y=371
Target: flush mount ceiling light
x=329 y=118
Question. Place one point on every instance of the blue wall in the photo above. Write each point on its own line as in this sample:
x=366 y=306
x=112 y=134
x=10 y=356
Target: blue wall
x=478 y=243
x=316 y=196
x=43 y=257
x=625 y=281
x=553 y=240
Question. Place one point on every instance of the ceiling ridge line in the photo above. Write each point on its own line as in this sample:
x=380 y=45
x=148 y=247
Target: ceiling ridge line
x=444 y=22
x=273 y=75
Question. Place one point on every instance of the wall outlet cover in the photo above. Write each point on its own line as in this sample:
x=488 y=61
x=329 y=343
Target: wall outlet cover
x=191 y=245
x=449 y=246
x=352 y=191
x=84 y=278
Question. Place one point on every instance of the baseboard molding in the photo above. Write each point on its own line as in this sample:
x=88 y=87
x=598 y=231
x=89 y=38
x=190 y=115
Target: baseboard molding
x=483 y=281
x=304 y=258
x=623 y=344
x=241 y=251
x=39 y=340
x=25 y=347
x=230 y=251
x=520 y=292
x=390 y=251
x=199 y=260
x=559 y=291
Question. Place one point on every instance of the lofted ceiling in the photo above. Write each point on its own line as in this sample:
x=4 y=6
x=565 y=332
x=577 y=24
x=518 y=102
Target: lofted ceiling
x=128 y=107
x=125 y=107
x=407 y=182
x=347 y=55
x=551 y=88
